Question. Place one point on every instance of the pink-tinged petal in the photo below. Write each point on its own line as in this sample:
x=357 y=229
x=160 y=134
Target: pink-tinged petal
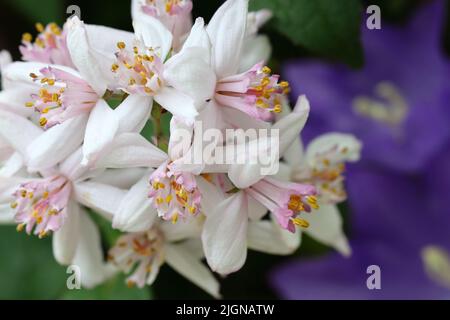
x=56 y=144
x=177 y=103
x=188 y=72
x=17 y=131
x=89 y=254
x=133 y=113
x=135 y=212
x=89 y=62
x=291 y=125
x=268 y=237
x=226 y=31
x=326 y=226
x=99 y=197
x=189 y=266
x=66 y=239
x=101 y=129
x=225 y=235
x=191 y=229
x=132 y=150
x=154 y=35
x=256 y=211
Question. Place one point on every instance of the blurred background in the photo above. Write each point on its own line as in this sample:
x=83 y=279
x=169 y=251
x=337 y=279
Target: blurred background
x=390 y=87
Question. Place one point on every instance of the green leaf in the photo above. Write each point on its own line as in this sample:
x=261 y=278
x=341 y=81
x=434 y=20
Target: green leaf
x=28 y=269
x=44 y=11
x=327 y=27
x=114 y=289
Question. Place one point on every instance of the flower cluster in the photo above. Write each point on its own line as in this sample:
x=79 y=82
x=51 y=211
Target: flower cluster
x=72 y=117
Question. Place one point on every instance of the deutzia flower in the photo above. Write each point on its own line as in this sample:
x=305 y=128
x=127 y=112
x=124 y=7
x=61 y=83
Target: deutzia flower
x=49 y=202
x=142 y=254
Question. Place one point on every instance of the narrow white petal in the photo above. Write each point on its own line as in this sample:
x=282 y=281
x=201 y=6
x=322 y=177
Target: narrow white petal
x=12 y=165
x=255 y=50
x=198 y=37
x=14 y=99
x=177 y=103
x=291 y=125
x=153 y=34
x=226 y=31
x=133 y=113
x=256 y=211
x=132 y=150
x=121 y=178
x=65 y=240
x=267 y=236
x=326 y=227
x=188 y=72
x=101 y=129
x=89 y=254
x=186 y=264
x=189 y=229
x=88 y=61
x=225 y=235
x=56 y=143
x=211 y=195
x=99 y=197
x=135 y=212
x=17 y=131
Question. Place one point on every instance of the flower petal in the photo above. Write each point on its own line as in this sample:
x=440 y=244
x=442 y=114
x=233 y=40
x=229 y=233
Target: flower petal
x=121 y=178
x=325 y=225
x=100 y=197
x=6 y=214
x=153 y=34
x=135 y=212
x=177 y=103
x=17 y=131
x=198 y=37
x=56 y=143
x=226 y=31
x=189 y=73
x=65 y=240
x=101 y=129
x=255 y=50
x=269 y=237
x=133 y=113
x=186 y=264
x=132 y=150
x=89 y=254
x=225 y=235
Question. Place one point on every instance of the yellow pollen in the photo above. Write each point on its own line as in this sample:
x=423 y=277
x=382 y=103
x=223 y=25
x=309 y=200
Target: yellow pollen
x=50 y=82
x=121 y=45
x=301 y=222
x=27 y=37
x=39 y=27
x=20 y=227
x=192 y=210
x=31 y=195
x=169 y=198
x=132 y=82
x=42 y=121
x=29 y=104
x=326 y=162
x=277 y=108
x=284 y=84
x=131 y=283
x=159 y=200
x=23 y=193
x=266 y=70
x=45 y=195
x=13 y=205
x=114 y=67
x=42 y=234
x=33 y=75
x=175 y=218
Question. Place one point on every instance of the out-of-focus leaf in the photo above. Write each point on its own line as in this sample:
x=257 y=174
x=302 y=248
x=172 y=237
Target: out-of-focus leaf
x=326 y=27
x=44 y=11
x=114 y=289
x=28 y=269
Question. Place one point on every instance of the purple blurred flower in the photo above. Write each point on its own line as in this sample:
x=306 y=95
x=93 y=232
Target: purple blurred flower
x=400 y=212
x=397 y=104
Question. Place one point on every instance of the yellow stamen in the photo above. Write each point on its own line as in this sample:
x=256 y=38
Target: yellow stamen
x=301 y=222
x=20 y=227
x=121 y=45
x=39 y=27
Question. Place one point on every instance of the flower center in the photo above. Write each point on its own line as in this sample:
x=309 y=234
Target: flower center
x=48 y=47
x=174 y=195
x=62 y=96
x=286 y=200
x=138 y=71
x=142 y=252
x=389 y=107
x=41 y=204
x=256 y=92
